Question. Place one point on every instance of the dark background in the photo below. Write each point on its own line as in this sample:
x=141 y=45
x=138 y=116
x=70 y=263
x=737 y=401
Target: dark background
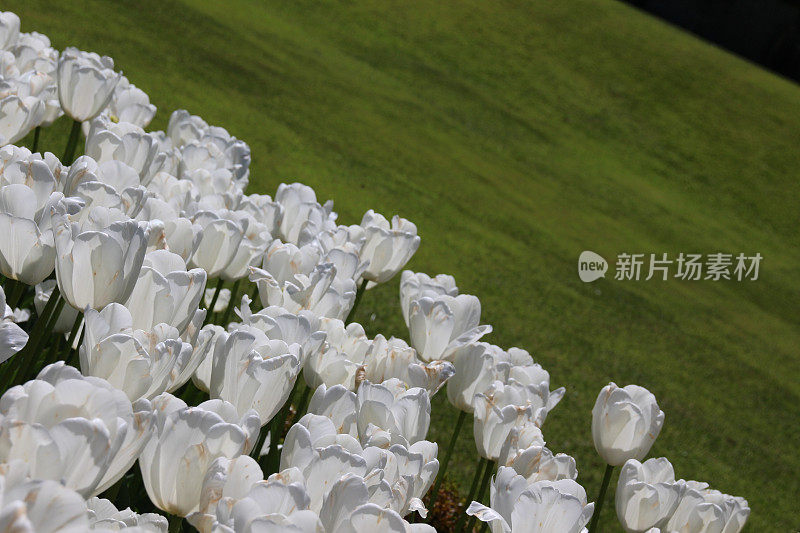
x=764 y=31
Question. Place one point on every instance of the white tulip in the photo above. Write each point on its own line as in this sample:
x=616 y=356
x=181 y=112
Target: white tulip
x=143 y=364
x=388 y=246
x=121 y=141
x=68 y=314
x=130 y=104
x=251 y=250
x=9 y=29
x=223 y=300
x=393 y=358
x=496 y=412
x=524 y=451
x=264 y=210
x=27 y=248
x=440 y=326
x=18 y=117
x=476 y=368
x=320 y=292
x=703 y=510
x=625 y=423
x=277 y=323
x=394 y=408
x=104 y=516
x=180 y=234
x=12 y=337
x=349 y=508
x=184 y=446
x=280 y=503
x=212 y=334
x=540 y=507
x=304 y=218
x=231 y=479
x=33 y=505
x=339 y=404
x=253 y=372
x=74 y=429
x=342 y=355
x=95 y=268
x=221 y=236
x=647 y=494
x=86 y=83
x=166 y=292
x=414 y=286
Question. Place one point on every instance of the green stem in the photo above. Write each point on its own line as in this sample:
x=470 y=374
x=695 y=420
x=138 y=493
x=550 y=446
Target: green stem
x=210 y=308
x=28 y=353
x=231 y=303
x=36 y=133
x=473 y=487
x=175 y=523
x=359 y=294
x=446 y=460
x=487 y=476
x=262 y=436
x=72 y=334
x=273 y=456
x=598 y=505
x=43 y=337
x=15 y=293
x=72 y=143
x=303 y=404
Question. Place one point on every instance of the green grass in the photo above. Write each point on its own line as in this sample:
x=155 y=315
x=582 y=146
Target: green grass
x=515 y=135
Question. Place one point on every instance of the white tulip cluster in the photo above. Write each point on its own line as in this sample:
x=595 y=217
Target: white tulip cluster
x=131 y=358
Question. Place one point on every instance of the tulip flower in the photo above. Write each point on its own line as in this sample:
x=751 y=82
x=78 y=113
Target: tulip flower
x=74 y=429
x=222 y=301
x=476 y=368
x=227 y=478
x=18 y=116
x=44 y=506
x=343 y=354
x=497 y=411
x=320 y=292
x=394 y=408
x=704 y=510
x=647 y=494
x=253 y=372
x=304 y=218
x=277 y=323
x=339 y=404
x=9 y=29
x=221 y=236
x=12 y=337
x=130 y=104
x=393 y=358
x=251 y=249
x=280 y=502
x=388 y=247
x=143 y=364
x=97 y=267
x=524 y=451
x=27 y=196
x=166 y=292
x=625 y=423
x=543 y=506
x=121 y=141
x=86 y=83
x=184 y=446
x=104 y=516
x=348 y=507
x=440 y=326
x=414 y=286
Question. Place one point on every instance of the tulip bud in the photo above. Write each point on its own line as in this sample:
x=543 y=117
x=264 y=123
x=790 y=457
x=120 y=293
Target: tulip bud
x=625 y=423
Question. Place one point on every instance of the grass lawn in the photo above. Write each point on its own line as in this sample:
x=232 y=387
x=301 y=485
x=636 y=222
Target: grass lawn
x=515 y=135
